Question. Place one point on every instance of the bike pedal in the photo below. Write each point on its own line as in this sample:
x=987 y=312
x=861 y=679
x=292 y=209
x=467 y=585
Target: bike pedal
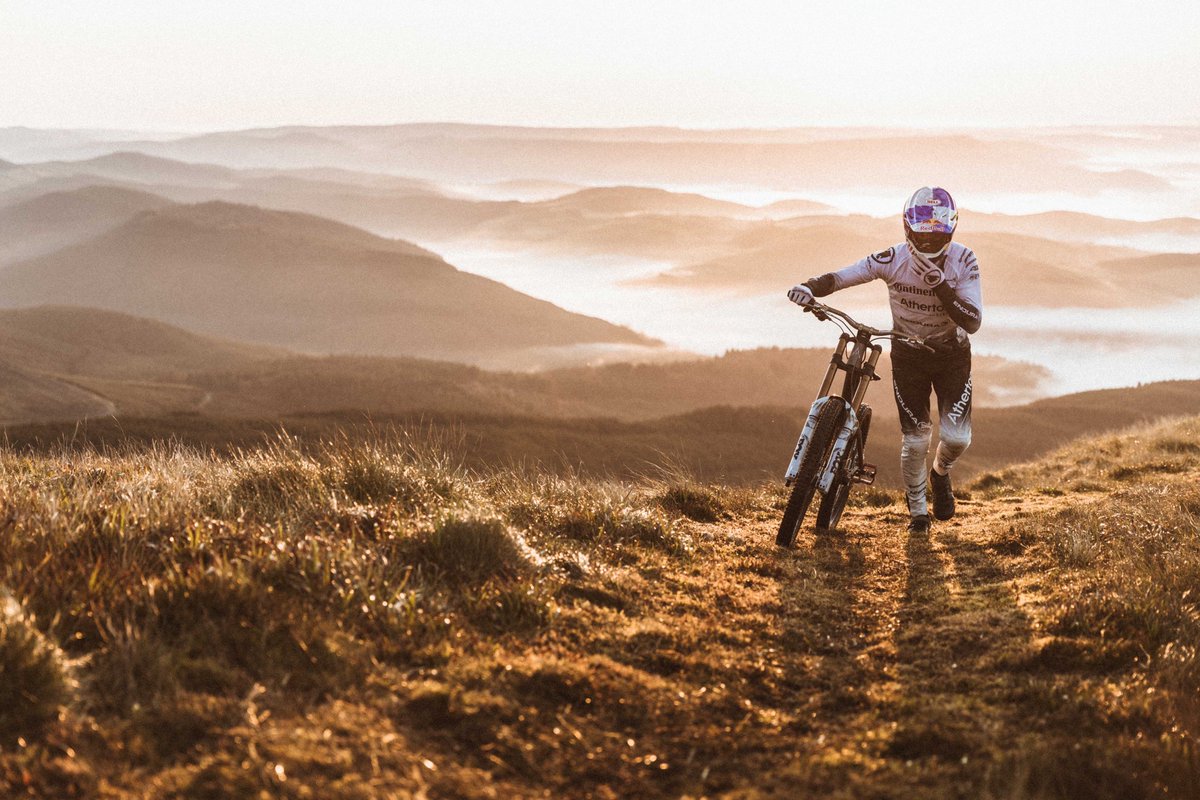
x=865 y=474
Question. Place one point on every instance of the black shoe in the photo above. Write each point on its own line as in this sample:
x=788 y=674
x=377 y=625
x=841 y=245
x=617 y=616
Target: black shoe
x=943 y=495
x=919 y=524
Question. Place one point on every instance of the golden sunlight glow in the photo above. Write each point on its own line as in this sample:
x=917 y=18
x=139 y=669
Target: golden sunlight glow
x=226 y=64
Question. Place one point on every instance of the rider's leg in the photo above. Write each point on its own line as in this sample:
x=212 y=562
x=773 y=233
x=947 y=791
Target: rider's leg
x=952 y=383
x=911 y=384
x=914 y=452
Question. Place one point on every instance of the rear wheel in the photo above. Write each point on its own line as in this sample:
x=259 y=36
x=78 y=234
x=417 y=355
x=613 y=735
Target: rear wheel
x=829 y=513
x=829 y=420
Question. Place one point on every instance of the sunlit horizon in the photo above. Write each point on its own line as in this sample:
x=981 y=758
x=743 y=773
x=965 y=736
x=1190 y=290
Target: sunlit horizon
x=228 y=66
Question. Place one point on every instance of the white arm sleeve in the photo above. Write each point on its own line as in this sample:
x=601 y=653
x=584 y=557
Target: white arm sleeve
x=857 y=273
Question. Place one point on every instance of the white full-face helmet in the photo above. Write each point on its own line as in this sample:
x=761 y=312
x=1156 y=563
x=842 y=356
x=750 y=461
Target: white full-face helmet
x=930 y=218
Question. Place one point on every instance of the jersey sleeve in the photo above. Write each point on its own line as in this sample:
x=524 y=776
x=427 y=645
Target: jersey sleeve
x=859 y=272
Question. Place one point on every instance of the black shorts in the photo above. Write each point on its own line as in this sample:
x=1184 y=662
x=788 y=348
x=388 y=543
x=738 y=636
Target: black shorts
x=948 y=375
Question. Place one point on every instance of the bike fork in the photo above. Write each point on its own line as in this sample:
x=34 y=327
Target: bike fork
x=789 y=477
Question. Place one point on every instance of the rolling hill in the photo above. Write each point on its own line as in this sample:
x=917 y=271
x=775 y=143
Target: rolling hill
x=1078 y=227
x=1018 y=270
x=144 y=367
x=297 y=281
x=731 y=419
x=55 y=220
x=78 y=343
x=66 y=363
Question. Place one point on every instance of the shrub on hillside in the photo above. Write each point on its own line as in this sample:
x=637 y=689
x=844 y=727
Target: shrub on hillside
x=589 y=513
x=34 y=679
x=700 y=503
x=470 y=550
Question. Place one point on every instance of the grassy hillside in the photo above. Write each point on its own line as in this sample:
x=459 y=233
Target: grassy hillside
x=296 y=281
x=364 y=620
x=727 y=444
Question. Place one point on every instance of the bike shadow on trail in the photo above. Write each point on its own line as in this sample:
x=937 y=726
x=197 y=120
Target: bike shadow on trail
x=822 y=627
x=915 y=648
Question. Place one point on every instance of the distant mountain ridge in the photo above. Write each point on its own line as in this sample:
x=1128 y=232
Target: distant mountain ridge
x=50 y=221
x=296 y=281
x=804 y=158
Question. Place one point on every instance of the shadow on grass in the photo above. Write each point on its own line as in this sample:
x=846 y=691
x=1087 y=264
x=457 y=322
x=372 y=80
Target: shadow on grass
x=822 y=628
x=984 y=702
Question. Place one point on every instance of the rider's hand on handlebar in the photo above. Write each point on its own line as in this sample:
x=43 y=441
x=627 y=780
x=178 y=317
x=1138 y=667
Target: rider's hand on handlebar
x=801 y=295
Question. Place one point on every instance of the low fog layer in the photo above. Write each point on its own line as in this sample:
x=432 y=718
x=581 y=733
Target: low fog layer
x=649 y=243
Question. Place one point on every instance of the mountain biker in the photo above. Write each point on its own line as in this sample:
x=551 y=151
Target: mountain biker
x=934 y=289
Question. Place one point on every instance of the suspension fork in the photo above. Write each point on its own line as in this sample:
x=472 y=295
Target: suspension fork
x=859 y=375
x=835 y=363
x=867 y=375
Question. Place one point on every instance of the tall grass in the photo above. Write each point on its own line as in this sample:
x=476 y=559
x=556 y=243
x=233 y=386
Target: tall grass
x=1126 y=608
x=1101 y=463
x=151 y=592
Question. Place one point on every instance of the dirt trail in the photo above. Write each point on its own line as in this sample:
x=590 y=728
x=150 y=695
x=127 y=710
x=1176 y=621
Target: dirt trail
x=872 y=662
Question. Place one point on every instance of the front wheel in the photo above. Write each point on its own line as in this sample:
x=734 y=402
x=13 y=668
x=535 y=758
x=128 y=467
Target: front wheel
x=829 y=420
x=829 y=513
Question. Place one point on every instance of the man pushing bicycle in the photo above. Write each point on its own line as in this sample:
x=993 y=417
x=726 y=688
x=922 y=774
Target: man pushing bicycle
x=934 y=288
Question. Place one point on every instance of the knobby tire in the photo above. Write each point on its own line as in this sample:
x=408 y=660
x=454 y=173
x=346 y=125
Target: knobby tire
x=829 y=513
x=829 y=421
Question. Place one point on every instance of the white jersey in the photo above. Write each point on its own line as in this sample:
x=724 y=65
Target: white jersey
x=916 y=310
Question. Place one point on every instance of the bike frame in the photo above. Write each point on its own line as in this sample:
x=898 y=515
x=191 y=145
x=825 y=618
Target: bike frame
x=859 y=372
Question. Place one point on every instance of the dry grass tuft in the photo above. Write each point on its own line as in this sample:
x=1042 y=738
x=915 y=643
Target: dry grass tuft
x=597 y=514
x=694 y=501
x=35 y=681
x=470 y=551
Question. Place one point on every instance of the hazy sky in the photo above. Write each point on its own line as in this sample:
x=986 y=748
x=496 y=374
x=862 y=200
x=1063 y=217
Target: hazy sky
x=192 y=64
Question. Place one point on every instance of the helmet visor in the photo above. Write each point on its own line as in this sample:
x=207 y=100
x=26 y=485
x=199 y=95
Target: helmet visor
x=929 y=243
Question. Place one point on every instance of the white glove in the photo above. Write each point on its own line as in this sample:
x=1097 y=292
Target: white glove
x=801 y=295
x=926 y=270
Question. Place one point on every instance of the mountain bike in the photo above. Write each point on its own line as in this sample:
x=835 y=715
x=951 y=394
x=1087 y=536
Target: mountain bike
x=829 y=454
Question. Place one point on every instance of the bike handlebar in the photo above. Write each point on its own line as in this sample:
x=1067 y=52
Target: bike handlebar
x=823 y=312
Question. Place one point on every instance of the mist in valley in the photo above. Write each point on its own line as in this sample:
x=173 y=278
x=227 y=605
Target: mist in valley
x=523 y=250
